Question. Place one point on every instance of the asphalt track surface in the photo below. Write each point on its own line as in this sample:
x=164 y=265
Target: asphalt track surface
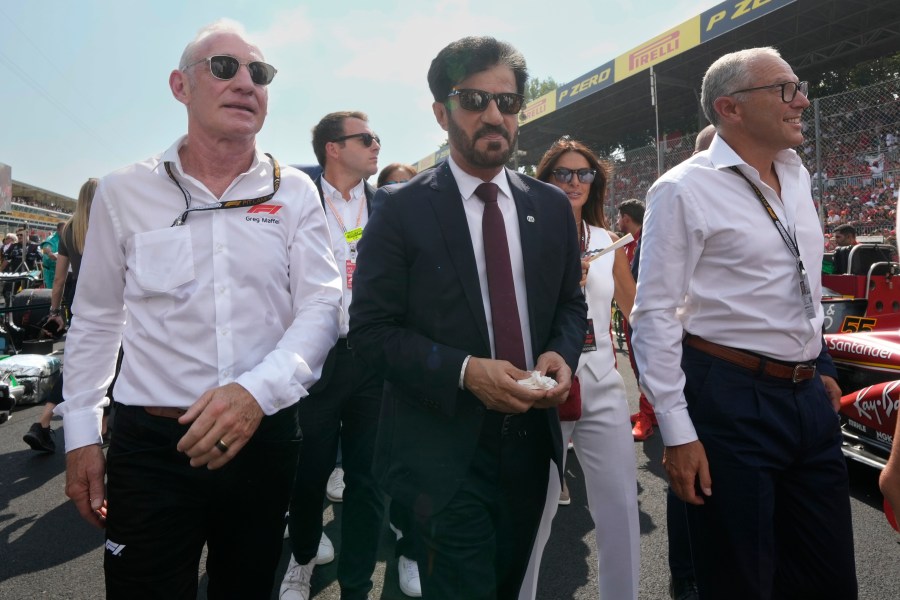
x=48 y=552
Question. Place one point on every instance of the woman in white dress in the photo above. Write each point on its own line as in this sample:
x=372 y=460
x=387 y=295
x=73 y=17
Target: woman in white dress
x=602 y=436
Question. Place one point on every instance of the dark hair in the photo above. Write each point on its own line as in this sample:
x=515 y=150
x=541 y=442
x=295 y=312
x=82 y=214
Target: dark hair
x=330 y=127
x=592 y=212
x=634 y=208
x=471 y=55
x=846 y=229
x=385 y=172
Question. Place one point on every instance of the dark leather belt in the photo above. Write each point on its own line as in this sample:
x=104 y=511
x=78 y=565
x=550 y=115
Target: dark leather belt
x=167 y=412
x=795 y=372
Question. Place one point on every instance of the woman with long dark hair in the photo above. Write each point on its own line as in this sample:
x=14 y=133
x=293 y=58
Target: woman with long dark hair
x=602 y=436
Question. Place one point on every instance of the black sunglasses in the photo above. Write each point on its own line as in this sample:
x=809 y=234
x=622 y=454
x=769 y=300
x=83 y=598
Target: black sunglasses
x=478 y=100
x=365 y=138
x=563 y=175
x=225 y=67
x=789 y=89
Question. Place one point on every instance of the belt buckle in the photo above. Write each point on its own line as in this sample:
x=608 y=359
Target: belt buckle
x=795 y=378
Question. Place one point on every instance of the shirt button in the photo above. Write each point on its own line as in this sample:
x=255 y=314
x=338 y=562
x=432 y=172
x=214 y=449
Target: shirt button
x=224 y=331
x=226 y=372
x=219 y=248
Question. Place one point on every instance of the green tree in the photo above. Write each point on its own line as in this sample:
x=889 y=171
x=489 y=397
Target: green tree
x=537 y=87
x=877 y=70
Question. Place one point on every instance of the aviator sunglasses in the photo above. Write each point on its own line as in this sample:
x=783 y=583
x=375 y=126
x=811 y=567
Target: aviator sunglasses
x=478 y=100
x=563 y=175
x=365 y=138
x=225 y=67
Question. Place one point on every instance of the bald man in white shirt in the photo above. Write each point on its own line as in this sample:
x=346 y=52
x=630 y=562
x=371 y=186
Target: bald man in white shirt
x=212 y=267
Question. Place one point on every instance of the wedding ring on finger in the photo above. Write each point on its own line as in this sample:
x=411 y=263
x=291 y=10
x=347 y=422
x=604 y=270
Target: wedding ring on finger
x=222 y=446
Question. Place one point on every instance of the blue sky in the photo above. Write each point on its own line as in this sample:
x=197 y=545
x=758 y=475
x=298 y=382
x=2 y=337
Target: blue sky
x=84 y=84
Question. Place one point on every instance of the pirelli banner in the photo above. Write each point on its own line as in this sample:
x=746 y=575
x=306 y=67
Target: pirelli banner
x=728 y=16
x=718 y=20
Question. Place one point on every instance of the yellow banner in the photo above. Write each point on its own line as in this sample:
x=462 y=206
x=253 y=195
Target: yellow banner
x=661 y=48
x=537 y=108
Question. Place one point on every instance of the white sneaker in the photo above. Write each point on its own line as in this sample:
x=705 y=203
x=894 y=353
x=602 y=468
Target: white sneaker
x=409 y=577
x=335 y=488
x=296 y=583
x=326 y=551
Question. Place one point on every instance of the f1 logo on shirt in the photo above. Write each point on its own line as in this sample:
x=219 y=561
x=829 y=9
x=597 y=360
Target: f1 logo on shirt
x=269 y=209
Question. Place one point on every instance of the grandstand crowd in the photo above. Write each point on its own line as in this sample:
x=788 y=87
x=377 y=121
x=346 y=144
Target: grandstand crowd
x=858 y=144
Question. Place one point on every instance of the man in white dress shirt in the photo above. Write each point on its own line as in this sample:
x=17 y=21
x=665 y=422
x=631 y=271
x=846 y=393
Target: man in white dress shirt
x=729 y=345
x=221 y=338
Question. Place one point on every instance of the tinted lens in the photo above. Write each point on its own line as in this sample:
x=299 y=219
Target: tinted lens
x=473 y=100
x=365 y=138
x=509 y=104
x=563 y=175
x=477 y=101
x=226 y=67
x=223 y=67
x=586 y=175
x=261 y=73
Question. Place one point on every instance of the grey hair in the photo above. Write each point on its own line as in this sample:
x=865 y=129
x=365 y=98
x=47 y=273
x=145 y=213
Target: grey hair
x=730 y=72
x=214 y=28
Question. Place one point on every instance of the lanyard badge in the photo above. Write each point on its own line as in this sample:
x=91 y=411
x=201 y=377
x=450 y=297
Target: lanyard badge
x=809 y=308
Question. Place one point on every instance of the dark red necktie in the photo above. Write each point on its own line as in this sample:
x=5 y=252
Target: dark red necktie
x=501 y=290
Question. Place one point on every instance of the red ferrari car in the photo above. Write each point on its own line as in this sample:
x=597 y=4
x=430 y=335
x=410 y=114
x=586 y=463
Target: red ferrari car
x=862 y=330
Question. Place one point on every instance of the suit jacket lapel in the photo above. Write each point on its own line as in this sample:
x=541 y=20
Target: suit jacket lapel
x=451 y=217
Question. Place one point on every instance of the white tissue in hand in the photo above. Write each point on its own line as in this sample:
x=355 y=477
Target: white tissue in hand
x=538 y=382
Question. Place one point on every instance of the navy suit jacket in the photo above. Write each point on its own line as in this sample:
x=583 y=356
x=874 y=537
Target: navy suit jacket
x=328 y=365
x=417 y=312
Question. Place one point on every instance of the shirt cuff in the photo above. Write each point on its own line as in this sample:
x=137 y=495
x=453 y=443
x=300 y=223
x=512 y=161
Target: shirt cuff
x=676 y=427
x=82 y=427
x=462 y=372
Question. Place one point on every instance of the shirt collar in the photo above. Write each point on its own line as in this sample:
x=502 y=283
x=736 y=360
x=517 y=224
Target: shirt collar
x=171 y=155
x=467 y=183
x=723 y=156
x=356 y=192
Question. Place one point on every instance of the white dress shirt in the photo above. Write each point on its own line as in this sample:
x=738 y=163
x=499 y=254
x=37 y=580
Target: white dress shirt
x=713 y=265
x=474 y=208
x=247 y=295
x=349 y=211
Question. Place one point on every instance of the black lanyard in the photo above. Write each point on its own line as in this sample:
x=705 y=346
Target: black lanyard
x=276 y=183
x=789 y=241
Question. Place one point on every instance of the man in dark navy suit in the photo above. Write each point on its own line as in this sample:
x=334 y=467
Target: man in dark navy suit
x=345 y=403
x=453 y=320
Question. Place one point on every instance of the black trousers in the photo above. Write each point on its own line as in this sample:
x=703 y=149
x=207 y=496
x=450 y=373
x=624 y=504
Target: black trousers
x=162 y=511
x=402 y=520
x=777 y=525
x=347 y=407
x=478 y=546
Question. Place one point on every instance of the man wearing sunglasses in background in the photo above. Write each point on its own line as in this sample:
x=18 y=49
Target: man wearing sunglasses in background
x=730 y=347
x=468 y=278
x=220 y=340
x=345 y=403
